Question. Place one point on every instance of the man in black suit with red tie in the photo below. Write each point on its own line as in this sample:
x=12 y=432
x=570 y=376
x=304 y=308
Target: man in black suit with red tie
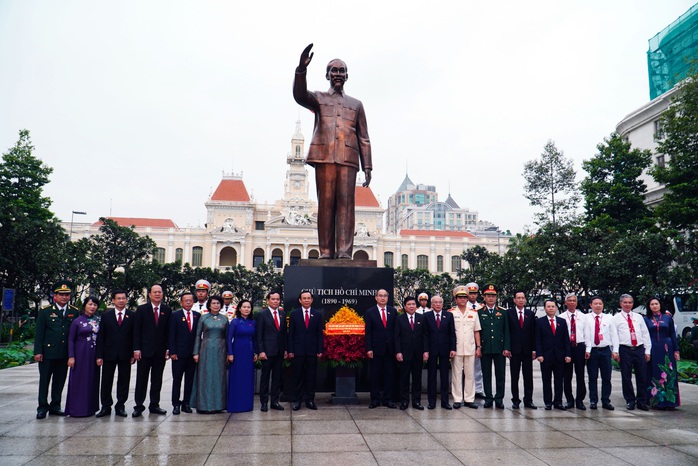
x=441 y=334
x=150 y=341
x=553 y=351
x=305 y=342
x=182 y=335
x=522 y=337
x=380 y=349
x=115 y=349
x=411 y=349
x=270 y=329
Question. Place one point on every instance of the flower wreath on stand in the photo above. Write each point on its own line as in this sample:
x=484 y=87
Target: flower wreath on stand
x=344 y=339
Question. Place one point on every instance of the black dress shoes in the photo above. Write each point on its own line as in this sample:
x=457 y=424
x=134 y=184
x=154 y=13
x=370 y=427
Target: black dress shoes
x=373 y=404
x=175 y=410
x=186 y=409
x=560 y=407
x=488 y=404
x=630 y=406
x=277 y=406
x=480 y=395
x=103 y=412
x=264 y=408
x=608 y=406
x=515 y=405
x=499 y=405
x=431 y=406
x=121 y=412
x=471 y=405
x=311 y=405
x=57 y=412
x=643 y=407
x=569 y=405
x=580 y=406
x=157 y=410
x=418 y=406
x=592 y=405
x=446 y=406
x=457 y=405
x=137 y=413
x=296 y=405
x=548 y=407
x=41 y=415
x=390 y=405
x=403 y=406
x=530 y=406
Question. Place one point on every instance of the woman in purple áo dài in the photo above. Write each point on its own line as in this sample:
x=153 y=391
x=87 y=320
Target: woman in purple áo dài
x=83 y=386
x=662 y=378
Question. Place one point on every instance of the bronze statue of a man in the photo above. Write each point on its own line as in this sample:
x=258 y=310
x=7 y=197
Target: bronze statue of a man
x=340 y=141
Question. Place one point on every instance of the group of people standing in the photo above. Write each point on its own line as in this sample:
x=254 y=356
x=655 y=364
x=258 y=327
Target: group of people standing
x=564 y=343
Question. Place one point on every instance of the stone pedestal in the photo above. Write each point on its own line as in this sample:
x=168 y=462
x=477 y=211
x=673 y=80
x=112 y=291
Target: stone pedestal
x=345 y=387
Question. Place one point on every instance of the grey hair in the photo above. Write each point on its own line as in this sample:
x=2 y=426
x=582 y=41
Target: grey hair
x=625 y=296
x=569 y=295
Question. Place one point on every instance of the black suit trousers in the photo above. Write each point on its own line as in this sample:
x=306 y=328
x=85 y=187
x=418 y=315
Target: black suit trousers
x=56 y=369
x=413 y=368
x=521 y=364
x=548 y=370
x=576 y=367
x=633 y=359
x=382 y=373
x=154 y=367
x=441 y=364
x=271 y=367
x=182 y=368
x=122 y=384
x=304 y=370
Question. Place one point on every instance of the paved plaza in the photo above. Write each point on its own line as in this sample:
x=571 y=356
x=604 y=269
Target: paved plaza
x=354 y=435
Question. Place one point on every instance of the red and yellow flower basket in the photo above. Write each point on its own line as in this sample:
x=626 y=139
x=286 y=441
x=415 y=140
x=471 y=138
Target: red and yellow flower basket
x=344 y=339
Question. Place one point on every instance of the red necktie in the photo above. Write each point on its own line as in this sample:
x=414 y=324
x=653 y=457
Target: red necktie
x=385 y=320
x=597 y=330
x=573 y=327
x=411 y=323
x=307 y=319
x=276 y=321
x=156 y=314
x=438 y=320
x=633 y=337
x=120 y=319
x=552 y=325
x=521 y=319
x=189 y=320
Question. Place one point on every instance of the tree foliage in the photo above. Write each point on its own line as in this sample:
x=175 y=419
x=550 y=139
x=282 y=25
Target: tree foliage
x=551 y=185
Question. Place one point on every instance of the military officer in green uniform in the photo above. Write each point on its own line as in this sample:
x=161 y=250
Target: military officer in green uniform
x=494 y=338
x=51 y=348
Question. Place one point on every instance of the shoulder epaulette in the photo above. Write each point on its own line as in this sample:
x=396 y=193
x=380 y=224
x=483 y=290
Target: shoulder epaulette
x=46 y=307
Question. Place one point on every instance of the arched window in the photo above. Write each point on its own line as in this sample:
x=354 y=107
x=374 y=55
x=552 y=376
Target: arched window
x=404 y=261
x=423 y=262
x=360 y=256
x=257 y=257
x=179 y=253
x=455 y=263
x=228 y=257
x=295 y=257
x=197 y=256
x=277 y=257
x=388 y=259
x=313 y=254
x=439 y=263
x=159 y=255
x=298 y=151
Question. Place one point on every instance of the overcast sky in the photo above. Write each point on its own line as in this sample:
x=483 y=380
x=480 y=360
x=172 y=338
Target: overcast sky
x=140 y=106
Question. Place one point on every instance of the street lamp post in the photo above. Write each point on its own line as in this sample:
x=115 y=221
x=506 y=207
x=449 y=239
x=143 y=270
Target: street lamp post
x=72 y=215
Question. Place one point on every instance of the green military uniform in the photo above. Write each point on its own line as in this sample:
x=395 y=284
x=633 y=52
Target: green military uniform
x=494 y=339
x=51 y=341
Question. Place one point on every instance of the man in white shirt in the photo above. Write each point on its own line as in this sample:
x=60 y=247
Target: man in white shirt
x=467 y=324
x=600 y=337
x=203 y=287
x=473 y=293
x=423 y=299
x=228 y=309
x=632 y=351
x=575 y=324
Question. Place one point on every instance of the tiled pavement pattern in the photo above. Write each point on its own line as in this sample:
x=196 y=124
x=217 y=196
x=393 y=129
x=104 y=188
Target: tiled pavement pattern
x=337 y=435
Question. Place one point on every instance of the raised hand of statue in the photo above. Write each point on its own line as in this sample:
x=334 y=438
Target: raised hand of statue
x=367 y=174
x=306 y=57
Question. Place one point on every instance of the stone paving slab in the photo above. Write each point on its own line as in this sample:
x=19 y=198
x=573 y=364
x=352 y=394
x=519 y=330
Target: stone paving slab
x=346 y=435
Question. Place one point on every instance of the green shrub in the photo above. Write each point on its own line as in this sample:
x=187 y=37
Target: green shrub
x=15 y=354
x=688 y=372
x=686 y=349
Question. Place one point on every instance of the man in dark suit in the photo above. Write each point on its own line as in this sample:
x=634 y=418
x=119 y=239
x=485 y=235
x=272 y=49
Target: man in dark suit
x=305 y=342
x=522 y=335
x=441 y=335
x=553 y=351
x=380 y=349
x=51 y=348
x=411 y=350
x=182 y=335
x=150 y=340
x=270 y=328
x=494 y=338
x=115 y=349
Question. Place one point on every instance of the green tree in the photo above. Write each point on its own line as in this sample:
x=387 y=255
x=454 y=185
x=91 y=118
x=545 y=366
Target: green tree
x=474 y=256
x=551 y=185
x=410 y=282
x=32 y=240
x=613 y=190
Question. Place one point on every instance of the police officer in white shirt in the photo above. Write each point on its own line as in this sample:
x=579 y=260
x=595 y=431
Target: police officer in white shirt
x=600 y=337
x=228 y=309
x=575 y=324
x=473 y=293
x=203 y=287
x=423 y=300
x=633 y=351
